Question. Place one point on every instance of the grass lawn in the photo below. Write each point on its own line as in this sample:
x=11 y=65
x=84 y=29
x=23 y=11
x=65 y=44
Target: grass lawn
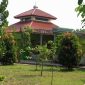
x=21 y=74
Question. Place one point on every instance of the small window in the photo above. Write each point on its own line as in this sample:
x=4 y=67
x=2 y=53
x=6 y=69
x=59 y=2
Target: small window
x=25 y=19
x=41 y=18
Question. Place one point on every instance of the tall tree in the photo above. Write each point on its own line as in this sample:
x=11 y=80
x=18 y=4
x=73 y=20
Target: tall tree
x=26 y=33
x=3 y=13
x=26 y=41
x=81 y=11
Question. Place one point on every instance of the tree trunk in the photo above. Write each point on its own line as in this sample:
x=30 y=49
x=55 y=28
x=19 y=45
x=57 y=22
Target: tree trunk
x=52 y=76
x=42 y=69
x=36 y=65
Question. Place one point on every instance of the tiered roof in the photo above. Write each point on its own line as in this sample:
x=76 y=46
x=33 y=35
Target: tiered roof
x=35 y=12
x=37 y=26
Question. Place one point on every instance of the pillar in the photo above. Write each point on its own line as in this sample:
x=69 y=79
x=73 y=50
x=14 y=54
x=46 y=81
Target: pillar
x=41 y=39
x=54 y=37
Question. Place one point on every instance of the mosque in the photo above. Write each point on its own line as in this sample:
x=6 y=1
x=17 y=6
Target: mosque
x=39 y=21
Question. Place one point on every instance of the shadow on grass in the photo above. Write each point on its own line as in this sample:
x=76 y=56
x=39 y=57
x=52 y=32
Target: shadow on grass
x=28 y=76
x=59 y=69
x=80 y=69
x=71 y=70
x=83 y=80
x=6 y=65
x=48 y=70
x=66 y=70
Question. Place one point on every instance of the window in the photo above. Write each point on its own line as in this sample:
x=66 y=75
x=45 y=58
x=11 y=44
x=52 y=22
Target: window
x=41 y=18
x=26 y=19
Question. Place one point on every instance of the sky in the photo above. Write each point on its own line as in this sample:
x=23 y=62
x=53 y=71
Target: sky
x=64 y=10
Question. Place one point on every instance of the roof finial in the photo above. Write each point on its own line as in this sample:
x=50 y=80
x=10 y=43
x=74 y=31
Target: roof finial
x=35 y=6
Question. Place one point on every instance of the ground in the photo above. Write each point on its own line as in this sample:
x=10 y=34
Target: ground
x=24 y=74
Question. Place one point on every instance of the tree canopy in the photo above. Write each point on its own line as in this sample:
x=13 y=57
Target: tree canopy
x=69 y=50
x=81 y=11
x=3 y=13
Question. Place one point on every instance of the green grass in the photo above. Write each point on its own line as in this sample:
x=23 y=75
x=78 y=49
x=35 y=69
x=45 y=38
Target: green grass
x=21 y=74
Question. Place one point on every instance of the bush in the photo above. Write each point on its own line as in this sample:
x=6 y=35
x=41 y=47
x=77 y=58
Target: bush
x=8 y=43
x=52 y=50
x=25 y=54
x=2 y=78
x=69 y=50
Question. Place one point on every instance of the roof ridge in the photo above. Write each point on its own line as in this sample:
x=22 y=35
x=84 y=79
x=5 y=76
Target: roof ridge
x=36 y=12
x=33 y=11
x=31 y=23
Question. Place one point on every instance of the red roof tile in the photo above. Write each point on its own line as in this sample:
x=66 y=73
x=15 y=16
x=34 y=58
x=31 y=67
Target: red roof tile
x=35 y=12
x=38 y=27
x=42 y=25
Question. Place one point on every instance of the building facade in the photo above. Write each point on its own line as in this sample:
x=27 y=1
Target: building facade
x=39 y=21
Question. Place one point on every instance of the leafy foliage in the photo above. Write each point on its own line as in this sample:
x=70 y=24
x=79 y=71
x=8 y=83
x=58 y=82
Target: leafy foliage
x=25 y=32
x=43 y=53
x=7 y=40
x=52 y=50
x=57 y=42
x=8 y=56
x=80 y=2
x=69 y=50
x=2 y=78
x=26 y=42
x=81 y=11
x=80 y=30
x=4 y=13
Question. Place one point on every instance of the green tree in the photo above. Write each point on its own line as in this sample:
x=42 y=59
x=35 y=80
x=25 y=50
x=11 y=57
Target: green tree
x=3 y=22
x=81 y=11
x=69 y=50
x=52 y=51
x=8 y=55
x=26 y=41
x=35 y=51
x=80 y=2
x=26 y=32
x=3 y=13
x=57 y=44
x=43 y=55
x=82 y=30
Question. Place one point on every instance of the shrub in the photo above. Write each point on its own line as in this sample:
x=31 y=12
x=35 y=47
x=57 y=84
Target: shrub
x=52 y=49
x=2 y=78
x=8 y=44
x=69 y=50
